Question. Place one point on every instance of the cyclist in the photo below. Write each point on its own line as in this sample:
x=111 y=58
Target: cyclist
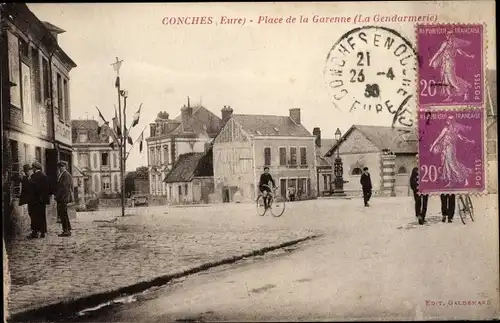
x=265 y=179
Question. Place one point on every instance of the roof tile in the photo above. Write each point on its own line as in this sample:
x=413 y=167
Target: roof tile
x=270 y=125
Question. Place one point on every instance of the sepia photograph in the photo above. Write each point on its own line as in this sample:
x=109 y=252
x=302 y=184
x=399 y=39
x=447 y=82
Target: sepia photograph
x=249 y=162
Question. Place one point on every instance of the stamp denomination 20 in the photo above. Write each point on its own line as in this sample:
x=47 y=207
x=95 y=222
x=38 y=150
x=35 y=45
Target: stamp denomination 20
x=451 y=65
x=373 y=68
x=450 y=153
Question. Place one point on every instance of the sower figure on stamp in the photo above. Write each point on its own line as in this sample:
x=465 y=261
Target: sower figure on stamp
x=64 y=195
x=447 y=207
x=420 y=200
x=26 y=197
x=41 y=199
x=366 y=185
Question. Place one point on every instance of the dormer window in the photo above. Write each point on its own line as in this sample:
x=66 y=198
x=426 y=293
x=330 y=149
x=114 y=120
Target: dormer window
x=83 y=136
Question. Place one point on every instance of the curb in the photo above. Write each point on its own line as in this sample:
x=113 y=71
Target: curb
x=62 y=309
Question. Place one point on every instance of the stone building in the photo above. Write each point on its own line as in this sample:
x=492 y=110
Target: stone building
x=247 y=143
x=191 y=179
x=35 y=98
x=96 y=164
x=492 y=130
x=372 y=146
x=192 y=131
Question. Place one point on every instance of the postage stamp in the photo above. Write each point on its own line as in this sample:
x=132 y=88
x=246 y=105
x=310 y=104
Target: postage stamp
x=373 y=68
x=451 y=153
x=451 y=64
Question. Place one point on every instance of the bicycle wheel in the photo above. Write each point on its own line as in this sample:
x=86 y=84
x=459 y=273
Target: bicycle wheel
x=470 y=207
x=261 y=210
x=277 y=206
x=462 y=209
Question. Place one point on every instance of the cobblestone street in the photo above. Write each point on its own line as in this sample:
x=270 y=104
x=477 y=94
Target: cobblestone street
x=107 y=252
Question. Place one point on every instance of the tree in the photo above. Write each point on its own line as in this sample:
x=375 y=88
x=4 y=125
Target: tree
x=142 y=172
x=130 y=183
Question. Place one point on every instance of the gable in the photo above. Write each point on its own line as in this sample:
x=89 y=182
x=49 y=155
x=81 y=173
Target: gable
x=232 y=132
x=356 y=143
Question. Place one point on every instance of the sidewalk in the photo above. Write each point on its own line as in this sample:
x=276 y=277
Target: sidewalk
x=107 y=252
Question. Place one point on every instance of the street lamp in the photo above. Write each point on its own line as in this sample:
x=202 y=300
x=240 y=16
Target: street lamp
x=338 y=168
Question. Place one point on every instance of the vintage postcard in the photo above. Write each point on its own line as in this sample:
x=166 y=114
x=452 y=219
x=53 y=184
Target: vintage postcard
x=209 y=162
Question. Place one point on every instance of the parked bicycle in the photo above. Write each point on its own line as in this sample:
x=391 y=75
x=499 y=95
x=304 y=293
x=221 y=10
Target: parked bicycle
x=465 y=208
x=276 y=203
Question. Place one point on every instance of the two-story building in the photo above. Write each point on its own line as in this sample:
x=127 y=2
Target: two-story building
x=35 y=94
x=192 y=131
x=247 y=143
x=96 y=164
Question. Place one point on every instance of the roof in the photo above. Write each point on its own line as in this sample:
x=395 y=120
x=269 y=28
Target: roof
x=491 y=83
x=270 y=125
x=53 y=28
x=321 y=161
x=202 y=121
x=398 y=140
x=189 y=166
x=92 y=128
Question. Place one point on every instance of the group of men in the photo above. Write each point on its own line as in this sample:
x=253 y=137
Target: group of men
x=36 y=190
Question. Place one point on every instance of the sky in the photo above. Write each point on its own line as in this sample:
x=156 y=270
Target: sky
x=254 y=68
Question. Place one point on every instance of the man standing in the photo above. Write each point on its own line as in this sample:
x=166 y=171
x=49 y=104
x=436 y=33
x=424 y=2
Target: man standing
x=420 y=200
x=366 y=185
x=41 y=199
x=447 y=207
x=26 y=198
x=64 y=195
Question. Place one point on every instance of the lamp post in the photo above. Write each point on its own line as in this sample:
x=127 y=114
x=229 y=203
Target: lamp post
x=338 y=168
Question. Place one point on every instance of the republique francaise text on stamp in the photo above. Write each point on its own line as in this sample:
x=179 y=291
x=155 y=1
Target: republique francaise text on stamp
x=450 y=68
x=373 y=68
x=451 y=151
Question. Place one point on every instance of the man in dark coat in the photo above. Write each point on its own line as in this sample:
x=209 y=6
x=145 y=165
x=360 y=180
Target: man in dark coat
x=64 y=195
x=26 y=198
x=420 y=200
x=447 y=207
x=366 y=185
x=41 y=199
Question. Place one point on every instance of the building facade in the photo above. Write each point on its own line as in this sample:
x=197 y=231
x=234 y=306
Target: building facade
x=192 y=131
x=365 y=146
x=247 y=143
x=323 y=164
x=35 y=95
x=96 y=168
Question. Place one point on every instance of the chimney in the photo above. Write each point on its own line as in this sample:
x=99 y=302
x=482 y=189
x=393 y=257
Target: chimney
x=226 y=113
x=186 y=114
x=295 y=115
x=152 y=129
x=317 y=133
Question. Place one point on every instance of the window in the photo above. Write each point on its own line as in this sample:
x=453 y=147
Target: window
x=104 y=159
x=151 y=156
x=83 y=160
x=186 y=189
x=106 y=185
x=303 y=156
x=115 y=160
x=35 y=59
x=95 y=160
x=180 y=190
x=402 y=170
x=66 y=100
x=26 y=93
x=165 y=154
x=302 y=189
x=293 y=156
x=158 y=155
x=38 y=154
x=24 y=50
x=283 y=187
x=267 y=156
x=115 y=183
x=293 y=183
x=83 y=137
x=45 y=78
x=60 y=97
x=356 y=171
x=282 y=156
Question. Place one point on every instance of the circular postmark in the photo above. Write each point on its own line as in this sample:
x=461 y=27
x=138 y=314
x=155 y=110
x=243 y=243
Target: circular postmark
x=373 y=68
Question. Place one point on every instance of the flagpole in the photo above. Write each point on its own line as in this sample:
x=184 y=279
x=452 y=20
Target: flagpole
x=136 y=140
x=117 y=66
x=125 y=137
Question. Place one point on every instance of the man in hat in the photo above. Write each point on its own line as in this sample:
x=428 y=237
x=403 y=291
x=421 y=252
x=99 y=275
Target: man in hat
x=41 y=198
x=26 y=197
x=64 y=195
x=366 y=185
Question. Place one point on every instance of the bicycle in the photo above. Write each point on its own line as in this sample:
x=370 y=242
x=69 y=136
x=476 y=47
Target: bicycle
x=465 y=207
x=276 y=203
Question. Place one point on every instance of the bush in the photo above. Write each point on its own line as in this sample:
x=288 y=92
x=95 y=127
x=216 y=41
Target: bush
x=92 y=205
